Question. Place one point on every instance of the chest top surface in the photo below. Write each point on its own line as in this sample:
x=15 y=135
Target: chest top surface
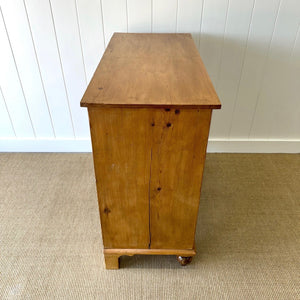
x=151 y=70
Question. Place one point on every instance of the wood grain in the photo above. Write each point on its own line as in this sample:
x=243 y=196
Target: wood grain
x=149 y=165
x=178 y=155
x=131 y=252
x=121 y=140
x=150 y=103
x=151 y=70
x=111 y=261
x=112 y=256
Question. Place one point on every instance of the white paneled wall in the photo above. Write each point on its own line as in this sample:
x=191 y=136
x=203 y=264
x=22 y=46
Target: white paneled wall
x=50 y=49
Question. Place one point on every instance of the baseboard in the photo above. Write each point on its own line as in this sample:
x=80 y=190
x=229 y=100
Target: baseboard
x=45 y=145
x=253 y=146
x=214 y=145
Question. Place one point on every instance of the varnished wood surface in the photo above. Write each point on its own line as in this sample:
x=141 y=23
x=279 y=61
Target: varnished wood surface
x=122 y=159
x=130 y=252
x=151 y=70
x=178 y=155
x=112 y=262
x=112 y=256
x=149 y=102
x=149 y=165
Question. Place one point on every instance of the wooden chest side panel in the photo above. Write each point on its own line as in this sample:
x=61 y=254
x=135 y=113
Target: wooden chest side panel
x=178 y=155
x=121 y=140
x=149 y=166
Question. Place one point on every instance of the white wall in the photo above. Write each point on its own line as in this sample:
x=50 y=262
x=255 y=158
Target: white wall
x=50 y=49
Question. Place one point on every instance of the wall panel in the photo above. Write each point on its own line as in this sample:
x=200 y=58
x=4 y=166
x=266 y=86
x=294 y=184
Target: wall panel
x=139 y=15
x=230 y=65
x=23 y=50
x=260 y=36
x=91 y=33
x=114 y=17
x=164 y=15
x=12 y=89
x=40 y=20
x=6 y=126
x=70 y=49
x=50 y=49
x=273 y=108
x=189 y=15
x=214 y=19
x=291 y=112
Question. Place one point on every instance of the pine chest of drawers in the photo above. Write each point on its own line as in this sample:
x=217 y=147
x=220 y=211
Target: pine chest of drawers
x=149 y=103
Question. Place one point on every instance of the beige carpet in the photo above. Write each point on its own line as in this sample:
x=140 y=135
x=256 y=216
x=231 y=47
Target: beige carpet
x=248 y=235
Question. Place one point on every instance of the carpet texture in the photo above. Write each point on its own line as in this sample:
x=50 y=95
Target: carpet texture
x=247 y=240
